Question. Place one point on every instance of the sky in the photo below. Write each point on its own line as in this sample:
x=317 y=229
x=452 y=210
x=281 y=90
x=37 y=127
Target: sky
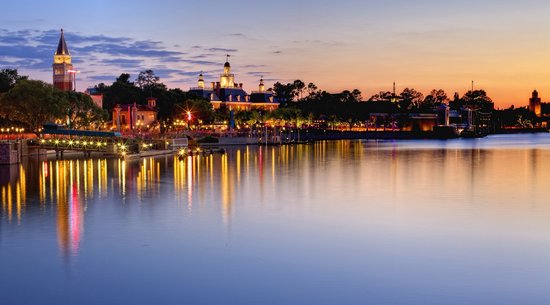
x=503 y=46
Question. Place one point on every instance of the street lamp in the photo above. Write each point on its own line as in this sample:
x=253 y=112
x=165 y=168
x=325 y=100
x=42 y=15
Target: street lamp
x=73 y=72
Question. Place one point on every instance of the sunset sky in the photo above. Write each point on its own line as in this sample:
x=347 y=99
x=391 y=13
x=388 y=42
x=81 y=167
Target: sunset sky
x=504 y=46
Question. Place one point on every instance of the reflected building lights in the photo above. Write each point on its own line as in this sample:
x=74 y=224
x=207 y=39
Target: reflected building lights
x=273 y=174
x=238 y=160
x=226 y=189
x=199 y=181
x=190 y=182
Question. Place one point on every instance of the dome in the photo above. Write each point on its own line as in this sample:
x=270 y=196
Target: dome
x=227 y=65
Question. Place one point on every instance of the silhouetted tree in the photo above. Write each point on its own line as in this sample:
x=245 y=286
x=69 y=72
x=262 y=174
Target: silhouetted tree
x=433 y=100
x=478 y=100
x=410 y=99
x=8 y=78
x=381 y=96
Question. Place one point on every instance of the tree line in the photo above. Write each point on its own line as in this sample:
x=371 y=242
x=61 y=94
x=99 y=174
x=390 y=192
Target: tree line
x=32 y=103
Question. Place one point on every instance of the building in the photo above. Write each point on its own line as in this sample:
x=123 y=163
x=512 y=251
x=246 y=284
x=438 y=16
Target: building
x=133 y=117
x=535 y=105
x=63 y=70
x=227 y=92
x=96 y=96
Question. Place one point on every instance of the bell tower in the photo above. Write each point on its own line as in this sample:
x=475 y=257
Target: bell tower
x=62 y=67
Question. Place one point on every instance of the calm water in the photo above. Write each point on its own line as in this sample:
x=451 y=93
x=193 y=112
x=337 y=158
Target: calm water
x=414 y=222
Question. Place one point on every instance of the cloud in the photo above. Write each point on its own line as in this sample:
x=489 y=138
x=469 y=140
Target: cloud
x=102 y=58
x=317 y=42
x=254 y=66
x=35 y=49
x=222 y=50
x=102 y=78
x=201 y=56
x=163 y=72
x=258 y=74
x=201 y=62
x=123 y=62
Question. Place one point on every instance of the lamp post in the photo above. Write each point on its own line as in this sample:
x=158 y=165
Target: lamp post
x=189 y=117
x=73 y=72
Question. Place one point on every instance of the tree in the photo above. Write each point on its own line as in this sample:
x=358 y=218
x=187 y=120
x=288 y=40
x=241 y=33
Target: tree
x=478 y=100
x=8 y=78
x=221 y=114
x=284 y=93
x=356 y=93
x=382 y=96
x=148 y=81
x=456 y=103
x=243 y=117
x=350 y=96
x=291 y=91
x=434 y=99
x=298 y=88
x=82 y=111
x=200 y=109
x=33 y=103
x=410 y=99
x=312 y=89
x=122 y=91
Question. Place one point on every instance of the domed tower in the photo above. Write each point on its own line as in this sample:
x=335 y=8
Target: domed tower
x=261 y=86
x=201 y=81
x=62 y=67
x=227 y=80
x=227 y=68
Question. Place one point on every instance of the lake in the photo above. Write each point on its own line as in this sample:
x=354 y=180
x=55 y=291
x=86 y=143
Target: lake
x=462 y=221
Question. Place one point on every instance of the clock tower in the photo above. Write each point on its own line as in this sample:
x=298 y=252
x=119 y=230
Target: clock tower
x=63 y=71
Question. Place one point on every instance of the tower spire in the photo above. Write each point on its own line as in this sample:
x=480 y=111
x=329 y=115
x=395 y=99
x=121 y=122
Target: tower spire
x=62 y=48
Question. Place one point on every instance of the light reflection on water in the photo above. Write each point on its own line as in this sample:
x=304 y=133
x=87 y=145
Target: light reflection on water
x=347 y=222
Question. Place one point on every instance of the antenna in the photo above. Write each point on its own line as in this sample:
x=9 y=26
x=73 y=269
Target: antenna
x=472 y=86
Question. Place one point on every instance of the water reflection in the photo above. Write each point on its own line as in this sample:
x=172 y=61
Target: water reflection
x=303 y=174
x=347 y=222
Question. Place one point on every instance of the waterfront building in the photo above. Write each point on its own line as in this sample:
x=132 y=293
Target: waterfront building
x=63 y=70
x=134 y=117
x=535 y=105
x=231 y=94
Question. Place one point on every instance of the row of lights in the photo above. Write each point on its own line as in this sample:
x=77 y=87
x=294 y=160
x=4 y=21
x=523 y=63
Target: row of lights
x=71 y=142
x=12 y=130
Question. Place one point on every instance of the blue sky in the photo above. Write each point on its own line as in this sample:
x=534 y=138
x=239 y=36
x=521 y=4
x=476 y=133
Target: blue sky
x=502 y=45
